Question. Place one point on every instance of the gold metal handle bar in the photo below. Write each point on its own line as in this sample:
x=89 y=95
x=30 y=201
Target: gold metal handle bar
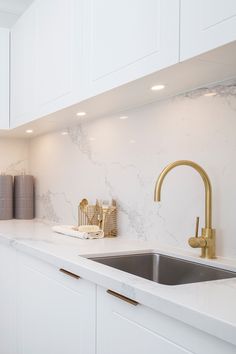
x=69 y=273
x=122 y=297
x=197 y=226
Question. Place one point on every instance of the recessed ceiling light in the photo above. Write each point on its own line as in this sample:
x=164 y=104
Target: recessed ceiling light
x=124 y=117
x=29 y=131
x=64 y=133
x=81 y=114
x=132 y=141
x=157 y=87
x=92 y=138
x=210 y=94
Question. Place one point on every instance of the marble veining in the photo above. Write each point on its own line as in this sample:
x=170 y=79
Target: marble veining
x=47 y=200
x=17 y=167
x=228 y=89
x=121 y=159
x=14 y=156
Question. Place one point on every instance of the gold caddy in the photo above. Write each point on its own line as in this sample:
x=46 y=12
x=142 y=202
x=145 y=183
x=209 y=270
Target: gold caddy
x=207 y=240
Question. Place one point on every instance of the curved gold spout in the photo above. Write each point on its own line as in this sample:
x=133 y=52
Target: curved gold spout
x=207 y=240
x=206 y=180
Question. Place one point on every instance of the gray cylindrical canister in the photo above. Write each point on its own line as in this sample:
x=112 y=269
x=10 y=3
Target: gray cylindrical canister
x=6 y=197
x=24 y=197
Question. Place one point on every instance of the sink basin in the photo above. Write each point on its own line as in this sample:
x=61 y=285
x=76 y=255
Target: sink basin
x=164 y=269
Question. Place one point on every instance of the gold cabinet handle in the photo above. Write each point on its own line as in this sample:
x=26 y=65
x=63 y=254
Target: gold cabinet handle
x=122 y=297
x=75 y=276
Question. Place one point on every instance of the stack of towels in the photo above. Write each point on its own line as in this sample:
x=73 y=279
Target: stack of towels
x=84 y=231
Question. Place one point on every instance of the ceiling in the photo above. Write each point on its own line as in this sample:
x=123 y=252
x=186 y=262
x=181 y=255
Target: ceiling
x=10 y=10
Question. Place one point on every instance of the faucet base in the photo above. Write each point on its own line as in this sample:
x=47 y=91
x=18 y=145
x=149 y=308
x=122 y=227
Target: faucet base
x=209 y=251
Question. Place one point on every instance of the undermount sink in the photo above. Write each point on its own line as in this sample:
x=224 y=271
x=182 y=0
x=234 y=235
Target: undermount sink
x=164 y=269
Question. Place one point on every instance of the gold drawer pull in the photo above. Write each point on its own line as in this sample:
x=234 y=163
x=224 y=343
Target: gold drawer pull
x=69 y=273
x=122 y=297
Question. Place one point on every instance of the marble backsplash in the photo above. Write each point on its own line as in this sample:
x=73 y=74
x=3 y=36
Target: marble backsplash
x=14 y=156
x=122 y=158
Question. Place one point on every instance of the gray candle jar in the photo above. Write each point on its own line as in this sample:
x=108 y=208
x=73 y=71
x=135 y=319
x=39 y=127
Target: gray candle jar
x=24 y=198
x=6 y=197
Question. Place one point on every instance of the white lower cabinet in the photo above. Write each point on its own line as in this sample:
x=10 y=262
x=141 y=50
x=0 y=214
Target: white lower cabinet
x=56 y=311
x=128 y=329
x=7 y=300
x=46 y=309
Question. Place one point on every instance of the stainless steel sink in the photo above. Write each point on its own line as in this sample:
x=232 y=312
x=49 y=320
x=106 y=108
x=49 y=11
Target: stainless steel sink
x=164 y=269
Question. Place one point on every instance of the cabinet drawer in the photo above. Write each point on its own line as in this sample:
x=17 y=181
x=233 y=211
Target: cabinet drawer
x=7 y=300
x=60 y=274
x=124 y=328
x=56 y=309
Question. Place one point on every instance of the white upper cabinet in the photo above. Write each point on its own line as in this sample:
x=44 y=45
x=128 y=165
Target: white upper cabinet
x=130 y=39
x=64 y=51
x=205 y=25
x=23 y=55
x=4 y=78
x=59 y=64
x=48 y=62
x=54 y=50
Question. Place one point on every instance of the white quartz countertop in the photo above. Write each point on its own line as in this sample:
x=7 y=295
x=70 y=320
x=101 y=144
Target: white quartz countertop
x=208 y=306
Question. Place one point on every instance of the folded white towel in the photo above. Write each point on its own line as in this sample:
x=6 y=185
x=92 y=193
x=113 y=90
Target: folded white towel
x=70 y=230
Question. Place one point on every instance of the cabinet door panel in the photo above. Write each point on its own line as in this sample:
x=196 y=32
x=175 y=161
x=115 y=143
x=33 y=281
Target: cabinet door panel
x=7 y=300
x=205 y=25
x=23 y=69
x=54 y=38
x=49 y=67
x=130 y=39
x=4 y=78
x=56 y=312
x=124 y=328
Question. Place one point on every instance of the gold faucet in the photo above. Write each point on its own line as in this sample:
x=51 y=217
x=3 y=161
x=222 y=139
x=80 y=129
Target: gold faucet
x=207 y=240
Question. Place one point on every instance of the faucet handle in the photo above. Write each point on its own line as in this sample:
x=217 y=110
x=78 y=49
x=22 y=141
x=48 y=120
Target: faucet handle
x=196 y=241
x=197 y=226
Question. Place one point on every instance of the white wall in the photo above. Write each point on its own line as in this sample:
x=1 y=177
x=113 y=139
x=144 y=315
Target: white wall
x=13 y=156
x=121 y=159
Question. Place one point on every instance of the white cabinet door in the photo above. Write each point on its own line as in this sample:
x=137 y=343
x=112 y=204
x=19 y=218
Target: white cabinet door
x=60 y=61
x=48 y=66
x=131 y=39
x=125 y=328
x=56 y=311
x=205 y=25
x=23 y=69
x=4 y=78
x=7 y=300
